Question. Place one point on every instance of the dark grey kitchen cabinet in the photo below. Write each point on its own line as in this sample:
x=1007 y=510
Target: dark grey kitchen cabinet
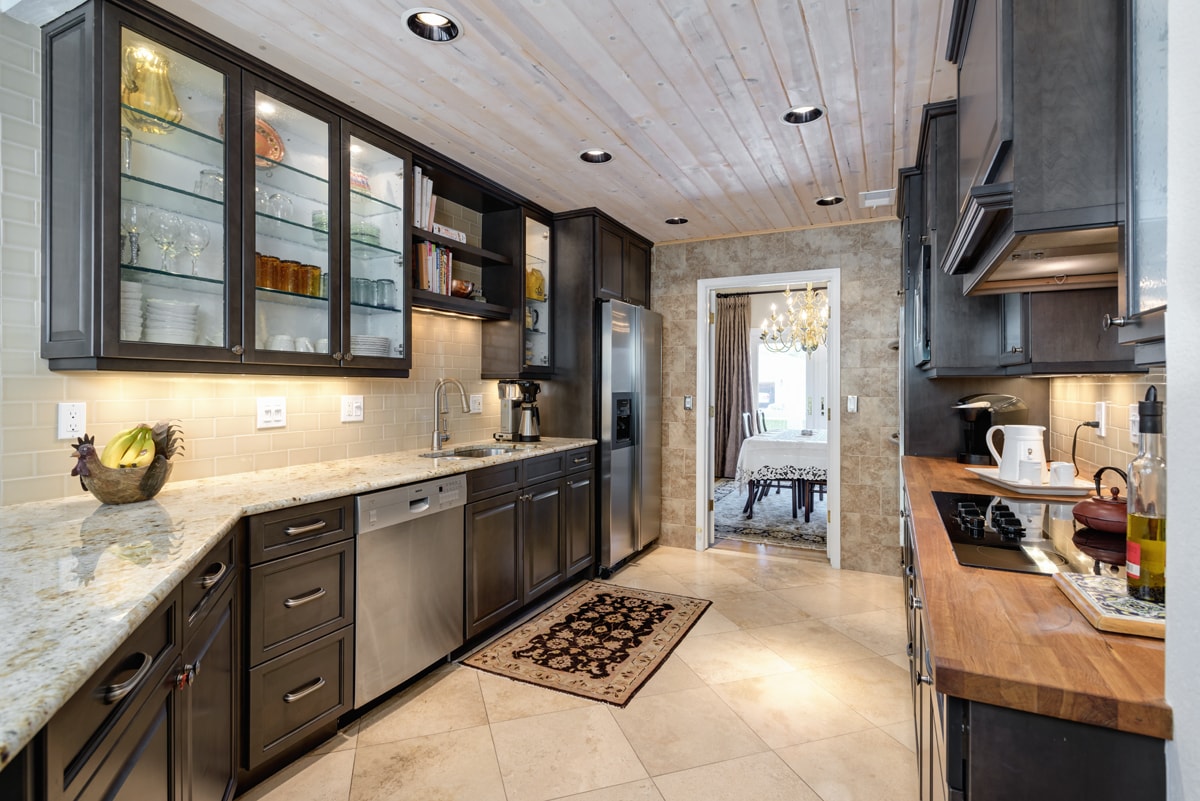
x=1041 y=161
x=521 y=345
x=543 y=532
x=590 y=243
x=494 y=562
x=299 y=639
x=579 y=515
x=1058 y=332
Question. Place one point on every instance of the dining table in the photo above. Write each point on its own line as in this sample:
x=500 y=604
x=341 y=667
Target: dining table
x=793 y=456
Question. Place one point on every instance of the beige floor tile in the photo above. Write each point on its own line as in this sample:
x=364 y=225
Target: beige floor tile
x=455 y=764
x=344 y=740
x=324 y=777
x=790 y=709
x=716 y=583
x=761 y=777
x=827 y=600
x=758 y=609
x=730 y=656
x=564 y=753
x=655 y=582
x=671 y=677
x=643 y=790
x=778 y=574
x=674 y=560
x=876 y=688
x=903 y=733
x=883 y=631
x=811 y=643
x=506 y=699
x=854 y=767
x=685 y=729
x=447 y=699
x=712 y=622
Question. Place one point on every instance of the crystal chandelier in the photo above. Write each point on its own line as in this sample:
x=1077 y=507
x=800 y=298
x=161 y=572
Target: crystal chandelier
x=804 y=324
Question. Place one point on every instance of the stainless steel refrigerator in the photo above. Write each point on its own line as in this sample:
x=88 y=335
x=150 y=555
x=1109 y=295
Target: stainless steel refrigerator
x=629 y=430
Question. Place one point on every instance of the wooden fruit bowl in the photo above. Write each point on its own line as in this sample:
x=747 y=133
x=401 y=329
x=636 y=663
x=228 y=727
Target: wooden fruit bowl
x=128 y=484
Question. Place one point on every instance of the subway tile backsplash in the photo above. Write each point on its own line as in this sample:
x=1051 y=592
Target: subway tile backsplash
x=216 y=412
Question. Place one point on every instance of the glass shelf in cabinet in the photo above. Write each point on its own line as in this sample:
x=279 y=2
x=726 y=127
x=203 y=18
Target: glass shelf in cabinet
x=279 y=177
x=214 y=144
x=364 y=205
x=533 y=261
x=371 y=309
x=169 y=198
x=291 y=298
x=370 y=250
x=167 y=280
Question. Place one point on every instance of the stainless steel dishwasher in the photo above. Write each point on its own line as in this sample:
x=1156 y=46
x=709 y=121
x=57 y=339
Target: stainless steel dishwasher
x=409 y=588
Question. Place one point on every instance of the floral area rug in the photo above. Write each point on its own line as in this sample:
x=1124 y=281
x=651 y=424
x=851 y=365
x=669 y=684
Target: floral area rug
x=773 y=522
x=600 y=642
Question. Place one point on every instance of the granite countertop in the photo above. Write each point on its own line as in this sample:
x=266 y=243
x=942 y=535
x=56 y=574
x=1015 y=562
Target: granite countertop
x=1015 y=640
x=79 y=577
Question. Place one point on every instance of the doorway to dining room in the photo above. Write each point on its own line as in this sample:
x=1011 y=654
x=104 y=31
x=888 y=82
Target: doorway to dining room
x=790 y=396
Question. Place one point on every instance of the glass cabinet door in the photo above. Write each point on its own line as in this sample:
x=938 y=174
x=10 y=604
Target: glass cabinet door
x=376 y=233
x=292 y=319
x=537 y=324
x=173 y=249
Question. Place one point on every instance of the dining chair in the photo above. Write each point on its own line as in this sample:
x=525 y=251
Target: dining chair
x=746 y=427
x=762 y=422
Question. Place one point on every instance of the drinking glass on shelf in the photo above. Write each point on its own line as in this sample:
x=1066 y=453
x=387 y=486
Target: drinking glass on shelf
x=133 y=220
x=195 y=240
x=166 y=228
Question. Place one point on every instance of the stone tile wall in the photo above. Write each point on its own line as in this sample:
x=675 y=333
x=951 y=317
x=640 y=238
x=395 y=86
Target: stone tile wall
x=868 y=256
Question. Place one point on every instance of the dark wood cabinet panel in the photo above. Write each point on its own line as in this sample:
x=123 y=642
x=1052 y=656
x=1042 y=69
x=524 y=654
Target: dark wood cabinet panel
x=493 y=561
x=579 y=522
x=637 y=272
x=610 y=263
x=210 y=702
x=542 y=541
x=300 y=528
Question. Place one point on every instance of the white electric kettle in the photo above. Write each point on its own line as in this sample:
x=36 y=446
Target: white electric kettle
x=1021 y=444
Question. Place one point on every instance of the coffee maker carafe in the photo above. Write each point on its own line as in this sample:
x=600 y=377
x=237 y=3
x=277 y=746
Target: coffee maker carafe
x=520 y=419
x=978 y=413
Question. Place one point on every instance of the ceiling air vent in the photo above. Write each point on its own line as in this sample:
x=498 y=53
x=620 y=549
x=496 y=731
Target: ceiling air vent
x=876 y=197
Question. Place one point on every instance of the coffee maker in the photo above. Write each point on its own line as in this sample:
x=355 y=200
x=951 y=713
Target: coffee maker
x=978 y=413
x=519 y=416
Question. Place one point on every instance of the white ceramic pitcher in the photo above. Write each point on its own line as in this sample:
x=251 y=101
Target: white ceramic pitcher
x=1021 y=444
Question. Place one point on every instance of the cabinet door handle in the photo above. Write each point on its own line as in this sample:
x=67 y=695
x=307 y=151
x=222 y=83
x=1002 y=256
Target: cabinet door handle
x=115 y=692
x=297 y=694
x=349 y=357
x=296 y=531
x=209 y=579
x=909 y=571
x=238 y=350
x=1016 y=349
x=292 y=603
x=916 y=604
x=337 y=357
x=923 y=679
x=1110 y=321
x=579 y=459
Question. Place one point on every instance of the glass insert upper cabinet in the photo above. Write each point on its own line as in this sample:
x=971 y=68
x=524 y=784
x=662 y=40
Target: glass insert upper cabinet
x=374 y=251
x=537 y=321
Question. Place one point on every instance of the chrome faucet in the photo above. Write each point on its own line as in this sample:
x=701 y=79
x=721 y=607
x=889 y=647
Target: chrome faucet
x=440 y=434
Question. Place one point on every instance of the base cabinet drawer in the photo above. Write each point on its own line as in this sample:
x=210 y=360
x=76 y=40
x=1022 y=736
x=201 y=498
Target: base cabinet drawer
x=299 y=599
x=301 y=528
x=297 y=693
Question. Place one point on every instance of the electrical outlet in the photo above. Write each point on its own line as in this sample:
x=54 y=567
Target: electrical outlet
x=272 y=412
x=1102 y=418
x=1134 y=419
x=72 y=420
x=476 y=404
x=352 y=408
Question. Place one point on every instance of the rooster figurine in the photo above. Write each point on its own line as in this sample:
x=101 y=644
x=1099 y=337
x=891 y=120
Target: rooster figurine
x=134 y=465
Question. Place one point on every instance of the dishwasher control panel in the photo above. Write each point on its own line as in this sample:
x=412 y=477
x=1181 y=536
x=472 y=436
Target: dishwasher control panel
x=396 y=505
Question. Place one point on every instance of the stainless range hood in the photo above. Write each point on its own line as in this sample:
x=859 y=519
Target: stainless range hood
x=995 y=257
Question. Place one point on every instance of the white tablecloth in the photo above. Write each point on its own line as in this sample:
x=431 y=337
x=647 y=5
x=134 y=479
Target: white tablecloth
x=783 y=455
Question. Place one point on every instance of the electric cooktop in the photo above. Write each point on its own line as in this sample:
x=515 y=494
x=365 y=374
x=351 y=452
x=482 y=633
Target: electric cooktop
x=1026 y=536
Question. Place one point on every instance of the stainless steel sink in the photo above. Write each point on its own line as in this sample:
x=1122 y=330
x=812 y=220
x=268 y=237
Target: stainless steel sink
x=470 y=452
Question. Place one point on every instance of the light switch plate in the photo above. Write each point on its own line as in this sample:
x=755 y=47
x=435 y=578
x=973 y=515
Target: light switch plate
x=852 y=404
x=272 y=412
x=476 y=404
x=1134 y=419
x=687 y=403
x=352 y=408
x=72 y=420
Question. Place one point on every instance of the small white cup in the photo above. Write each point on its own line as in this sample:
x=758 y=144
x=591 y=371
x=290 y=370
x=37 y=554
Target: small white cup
x=281 y=342
x=304 y=345
x=323 y=345
x=1031 y=472
x=1062 y=474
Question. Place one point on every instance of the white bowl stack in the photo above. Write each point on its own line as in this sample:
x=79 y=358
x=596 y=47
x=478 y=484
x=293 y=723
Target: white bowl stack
x=362 y=345
x=170 y=321
x=131 y=310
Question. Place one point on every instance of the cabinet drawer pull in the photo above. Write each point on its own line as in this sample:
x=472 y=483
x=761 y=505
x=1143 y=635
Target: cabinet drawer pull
x=296 y=695
x=209 y=579
x=115 y=692
x=579 y=459
x=291 y=603
x=296 y=531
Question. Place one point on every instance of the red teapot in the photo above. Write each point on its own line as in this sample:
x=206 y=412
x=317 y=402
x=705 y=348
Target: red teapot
x=1101 y=513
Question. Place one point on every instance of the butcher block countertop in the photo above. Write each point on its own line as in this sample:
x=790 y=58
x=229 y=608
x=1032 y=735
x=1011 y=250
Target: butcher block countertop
x=79 y=576
x=1014 y=640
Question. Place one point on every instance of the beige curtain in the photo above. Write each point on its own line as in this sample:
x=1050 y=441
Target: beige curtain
x=734 y=394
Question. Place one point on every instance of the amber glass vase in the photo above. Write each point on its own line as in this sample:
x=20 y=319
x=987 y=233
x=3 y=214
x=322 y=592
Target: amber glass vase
x=146 y=91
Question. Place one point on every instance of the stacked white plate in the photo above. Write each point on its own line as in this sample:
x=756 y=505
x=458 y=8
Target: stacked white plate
x=361 y=345
x=131 y=310
x=170 y=321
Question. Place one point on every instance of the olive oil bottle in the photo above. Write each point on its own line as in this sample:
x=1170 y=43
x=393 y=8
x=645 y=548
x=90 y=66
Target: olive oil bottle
x=1146 y=529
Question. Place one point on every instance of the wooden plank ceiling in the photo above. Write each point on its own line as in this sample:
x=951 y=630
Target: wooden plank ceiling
x=687 y=95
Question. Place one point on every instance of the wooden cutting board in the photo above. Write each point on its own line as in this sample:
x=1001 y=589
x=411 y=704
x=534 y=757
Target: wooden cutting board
x=1106 y=605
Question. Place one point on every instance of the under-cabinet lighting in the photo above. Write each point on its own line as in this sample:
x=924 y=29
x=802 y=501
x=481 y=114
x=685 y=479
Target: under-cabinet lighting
x=459 y=315
x=432 y=25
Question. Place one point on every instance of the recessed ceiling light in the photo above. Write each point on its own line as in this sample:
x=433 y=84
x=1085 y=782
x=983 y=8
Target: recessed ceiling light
x=595 y=155
x=830 y=200
x=432 y=25
x=677 y=220
x=798 y=115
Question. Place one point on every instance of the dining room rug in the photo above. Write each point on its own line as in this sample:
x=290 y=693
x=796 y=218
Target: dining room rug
x=600 y=642
x=772 y=524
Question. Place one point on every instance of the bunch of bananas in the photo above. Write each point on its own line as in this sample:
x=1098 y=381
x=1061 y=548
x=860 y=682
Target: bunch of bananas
x=133 y=447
